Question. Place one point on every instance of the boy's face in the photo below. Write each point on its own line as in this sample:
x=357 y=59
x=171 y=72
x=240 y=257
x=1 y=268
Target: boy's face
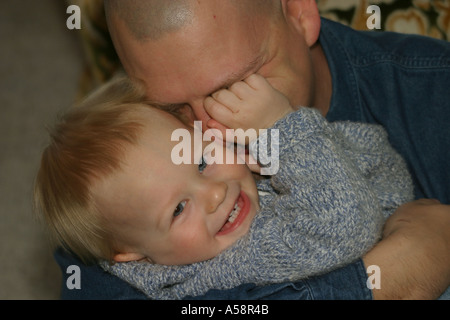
x=175 y=214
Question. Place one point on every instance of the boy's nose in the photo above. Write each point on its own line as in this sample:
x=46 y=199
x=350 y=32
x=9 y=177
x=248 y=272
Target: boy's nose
x=214 y=194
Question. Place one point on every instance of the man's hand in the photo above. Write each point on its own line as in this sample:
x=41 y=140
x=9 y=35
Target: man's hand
x=252 y=103
x=414 y=255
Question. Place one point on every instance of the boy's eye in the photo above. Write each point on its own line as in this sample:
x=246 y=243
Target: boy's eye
x=179 y=209
x=202 y=165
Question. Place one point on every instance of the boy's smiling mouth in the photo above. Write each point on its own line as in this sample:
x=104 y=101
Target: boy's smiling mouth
x=237 y=215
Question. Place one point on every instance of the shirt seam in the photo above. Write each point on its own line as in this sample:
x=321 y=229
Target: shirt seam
x=427 y=63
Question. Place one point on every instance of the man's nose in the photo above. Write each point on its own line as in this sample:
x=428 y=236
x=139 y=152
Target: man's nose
x=213 y=194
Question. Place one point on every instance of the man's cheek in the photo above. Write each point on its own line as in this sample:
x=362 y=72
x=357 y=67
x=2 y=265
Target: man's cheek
x=278 y=84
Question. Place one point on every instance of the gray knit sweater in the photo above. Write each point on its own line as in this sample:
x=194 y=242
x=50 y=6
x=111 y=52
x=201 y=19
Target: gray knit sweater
x=324 y=208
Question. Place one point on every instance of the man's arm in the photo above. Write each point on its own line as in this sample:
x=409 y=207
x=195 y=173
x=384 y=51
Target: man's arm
x=414 y=255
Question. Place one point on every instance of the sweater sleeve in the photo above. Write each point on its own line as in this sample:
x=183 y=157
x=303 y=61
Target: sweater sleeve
x=321 y=194
x=367 y=145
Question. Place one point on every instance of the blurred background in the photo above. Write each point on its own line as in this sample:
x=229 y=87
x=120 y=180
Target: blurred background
x=40 y=66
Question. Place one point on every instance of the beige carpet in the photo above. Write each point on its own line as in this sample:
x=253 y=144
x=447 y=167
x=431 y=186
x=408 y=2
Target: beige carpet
x=40 y=63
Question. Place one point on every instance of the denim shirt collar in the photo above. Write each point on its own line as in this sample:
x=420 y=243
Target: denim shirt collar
x=334 y=39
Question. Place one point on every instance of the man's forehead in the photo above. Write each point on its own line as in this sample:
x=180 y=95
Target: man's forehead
x=193 y=63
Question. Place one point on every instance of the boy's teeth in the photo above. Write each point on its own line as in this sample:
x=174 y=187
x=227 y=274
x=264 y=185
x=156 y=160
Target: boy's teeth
x=234 y=213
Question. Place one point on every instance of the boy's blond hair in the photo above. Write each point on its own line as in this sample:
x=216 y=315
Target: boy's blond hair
x=87 y=145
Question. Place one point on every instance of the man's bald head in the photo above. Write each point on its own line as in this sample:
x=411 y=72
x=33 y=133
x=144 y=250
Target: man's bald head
x=184 y=50
x=151 y=19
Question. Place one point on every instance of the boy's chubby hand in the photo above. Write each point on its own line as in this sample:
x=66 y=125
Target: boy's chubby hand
x=251 y=103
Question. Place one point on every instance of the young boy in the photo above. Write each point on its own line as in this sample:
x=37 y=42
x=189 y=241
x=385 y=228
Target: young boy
x=111 y=192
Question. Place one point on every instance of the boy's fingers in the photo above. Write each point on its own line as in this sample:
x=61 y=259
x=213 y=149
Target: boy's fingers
x=255 y=81
x=241 y=89
x=228 y=99
x=217 y=110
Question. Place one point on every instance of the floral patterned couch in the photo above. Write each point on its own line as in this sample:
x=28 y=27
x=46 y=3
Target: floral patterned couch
x=425 y=17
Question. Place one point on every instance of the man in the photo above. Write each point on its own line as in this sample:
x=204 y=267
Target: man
x=185 y=50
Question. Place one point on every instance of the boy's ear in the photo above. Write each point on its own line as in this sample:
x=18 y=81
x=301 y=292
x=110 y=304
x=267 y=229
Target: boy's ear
x=126 y=257
x=304 y=16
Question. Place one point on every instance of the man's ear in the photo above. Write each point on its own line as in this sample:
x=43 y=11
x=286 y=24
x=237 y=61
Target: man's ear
x=304 y=16
x=126 y=257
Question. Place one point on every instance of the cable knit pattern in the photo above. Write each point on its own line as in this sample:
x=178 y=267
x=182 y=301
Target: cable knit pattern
x=324 y=208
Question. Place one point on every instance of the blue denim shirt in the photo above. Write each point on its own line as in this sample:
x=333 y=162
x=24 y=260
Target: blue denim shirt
x=399 y=81
x=403 y=83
